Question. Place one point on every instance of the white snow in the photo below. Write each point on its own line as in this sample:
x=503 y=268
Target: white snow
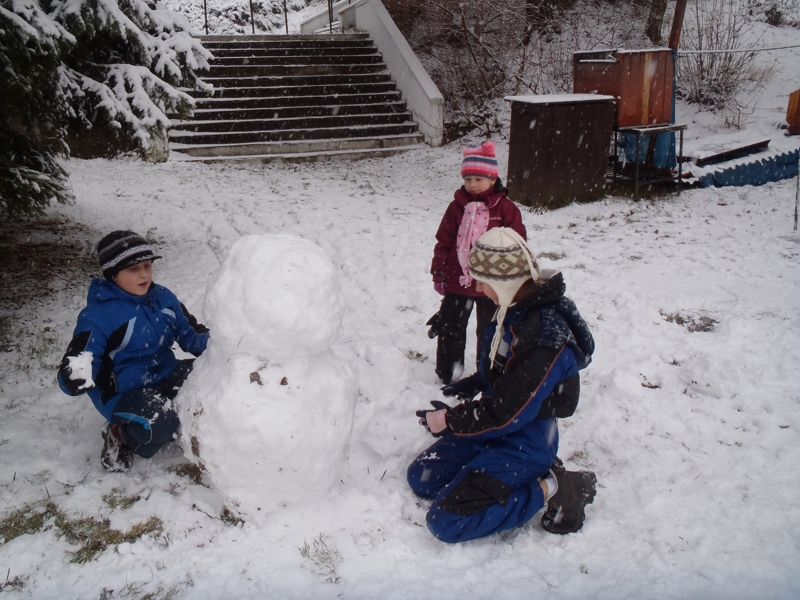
x=693 y=435
x=689 y=413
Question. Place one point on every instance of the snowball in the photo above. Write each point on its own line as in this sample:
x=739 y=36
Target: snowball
x=268 y=434
x=275 y=296
x=81 y=368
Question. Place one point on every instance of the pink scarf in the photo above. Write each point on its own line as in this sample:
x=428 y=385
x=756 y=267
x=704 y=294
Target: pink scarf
x=473 y=225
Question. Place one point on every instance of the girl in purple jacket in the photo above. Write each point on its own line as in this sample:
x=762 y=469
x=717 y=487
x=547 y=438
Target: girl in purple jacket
x=479 y=205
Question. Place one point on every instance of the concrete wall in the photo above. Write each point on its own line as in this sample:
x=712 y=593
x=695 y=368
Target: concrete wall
x=320 y=20
x=422 y=97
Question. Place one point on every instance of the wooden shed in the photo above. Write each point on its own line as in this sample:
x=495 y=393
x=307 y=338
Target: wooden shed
x=640 y=80
x=558 y=148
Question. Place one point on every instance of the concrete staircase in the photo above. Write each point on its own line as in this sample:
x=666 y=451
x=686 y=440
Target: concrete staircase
x=294 y=98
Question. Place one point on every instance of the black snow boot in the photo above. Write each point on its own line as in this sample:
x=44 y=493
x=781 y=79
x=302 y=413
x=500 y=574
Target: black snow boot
x=565 y=510
x=116 y=456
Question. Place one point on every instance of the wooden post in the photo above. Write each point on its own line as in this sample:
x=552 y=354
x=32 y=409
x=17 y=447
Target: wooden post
x=677 y=25
x=793 y=113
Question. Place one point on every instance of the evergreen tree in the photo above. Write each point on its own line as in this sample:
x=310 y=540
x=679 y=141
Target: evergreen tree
x=88 y=64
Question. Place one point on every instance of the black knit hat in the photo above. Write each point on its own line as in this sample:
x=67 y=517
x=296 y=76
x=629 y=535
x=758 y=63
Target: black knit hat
x=120 y=250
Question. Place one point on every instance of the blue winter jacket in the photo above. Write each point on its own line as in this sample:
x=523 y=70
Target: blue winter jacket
x=130 y=338
x=545 y=344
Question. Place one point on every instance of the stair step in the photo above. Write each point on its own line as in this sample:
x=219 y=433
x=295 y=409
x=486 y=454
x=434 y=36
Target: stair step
x=312 y=69
x=284 y=112
x=324 y=155
x=391 y=95
x=278 y=135
x=296 y=146
x=282 y=39
x=301 y=122
x=299 y=59
x=287 y=91
x=284 y=51
x=298 y=80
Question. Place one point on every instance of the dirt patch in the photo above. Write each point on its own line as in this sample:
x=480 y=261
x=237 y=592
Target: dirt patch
x=39 y=258
x=43 y=256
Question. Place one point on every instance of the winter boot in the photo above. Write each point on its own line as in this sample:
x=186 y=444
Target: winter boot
x=565 y=509
x=116 y=456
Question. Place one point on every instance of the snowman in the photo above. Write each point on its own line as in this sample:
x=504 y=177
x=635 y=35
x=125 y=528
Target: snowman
x=268 y=410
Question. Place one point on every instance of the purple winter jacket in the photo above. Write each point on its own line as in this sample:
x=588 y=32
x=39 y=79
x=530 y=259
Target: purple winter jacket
x=502 y=213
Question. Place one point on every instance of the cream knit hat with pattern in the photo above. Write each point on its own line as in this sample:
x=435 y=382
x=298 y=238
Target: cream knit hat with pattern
x=502 y=259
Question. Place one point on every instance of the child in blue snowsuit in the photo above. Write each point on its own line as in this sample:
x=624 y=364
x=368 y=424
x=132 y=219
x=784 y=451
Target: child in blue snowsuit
x=495 y=466
x=121 y=351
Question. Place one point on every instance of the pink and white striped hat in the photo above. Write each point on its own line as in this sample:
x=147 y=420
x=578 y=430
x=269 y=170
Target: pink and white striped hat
x=479 y=161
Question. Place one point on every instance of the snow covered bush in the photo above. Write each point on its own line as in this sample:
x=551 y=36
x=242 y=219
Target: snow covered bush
x=88 y=64
x=710 y=77
x=478 y=51
x=233 y=16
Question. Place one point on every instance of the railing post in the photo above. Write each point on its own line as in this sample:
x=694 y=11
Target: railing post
x=205 y=11
x=285 y=17
x=252 y=20
x=330 y=16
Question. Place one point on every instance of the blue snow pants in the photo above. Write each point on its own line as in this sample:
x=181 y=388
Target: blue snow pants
x=147 y=418
x=479 y=488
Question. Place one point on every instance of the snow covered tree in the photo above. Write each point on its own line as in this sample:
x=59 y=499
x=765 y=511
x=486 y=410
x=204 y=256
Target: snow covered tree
x=34 y=110
x=88 y=64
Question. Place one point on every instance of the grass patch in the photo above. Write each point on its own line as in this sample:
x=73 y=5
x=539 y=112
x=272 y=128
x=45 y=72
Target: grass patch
x=92 y=536
x=190 y=470
x=230 y=518
x=322 y=556
x=414 y=355
x=552 y=255
x=117 y=499
x=27 y=520
x=692 y=324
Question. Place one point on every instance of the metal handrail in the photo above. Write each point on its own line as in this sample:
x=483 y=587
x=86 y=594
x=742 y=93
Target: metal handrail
x=285 y=16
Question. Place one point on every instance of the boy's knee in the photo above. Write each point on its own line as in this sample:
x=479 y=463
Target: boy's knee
x=419 y=476
x=446 y=526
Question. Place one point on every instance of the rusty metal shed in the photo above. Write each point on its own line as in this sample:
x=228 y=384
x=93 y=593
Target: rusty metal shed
x=640 y=80
x=558 y=149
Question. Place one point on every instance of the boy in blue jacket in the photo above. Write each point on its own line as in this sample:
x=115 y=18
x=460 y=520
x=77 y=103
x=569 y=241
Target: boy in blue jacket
x=495 y=466
x=121 y=351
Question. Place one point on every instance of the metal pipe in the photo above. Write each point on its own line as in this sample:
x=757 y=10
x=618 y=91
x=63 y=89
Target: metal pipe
x=205 y=11
x=286 y=17
x=252 y=20
x=330 y=16
x=797 y=196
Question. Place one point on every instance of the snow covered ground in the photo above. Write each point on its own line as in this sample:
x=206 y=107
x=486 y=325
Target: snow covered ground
x=690 y=412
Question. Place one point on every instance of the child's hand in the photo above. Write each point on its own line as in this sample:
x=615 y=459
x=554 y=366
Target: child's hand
x=434 y=421
x=439 y=287
x=76 y=372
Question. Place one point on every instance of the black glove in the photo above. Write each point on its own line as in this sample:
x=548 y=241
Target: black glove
x=73 y=385
x=466 y=388
x=434 y=326
x=76 y=346
x=423 y=417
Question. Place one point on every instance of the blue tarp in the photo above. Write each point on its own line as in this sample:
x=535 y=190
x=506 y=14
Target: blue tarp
x=758 y=172
x=664 y=155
